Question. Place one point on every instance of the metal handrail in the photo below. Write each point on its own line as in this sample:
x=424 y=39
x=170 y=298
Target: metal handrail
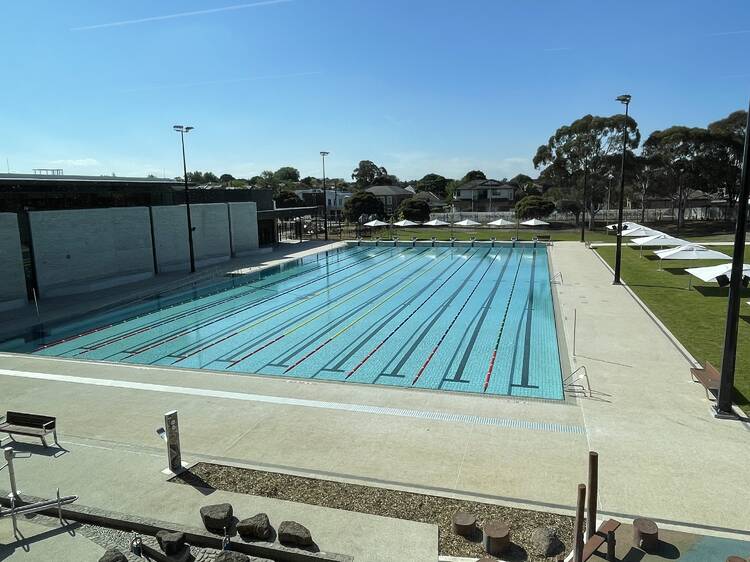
x=555 y=276
x=14 y=511
x=568 y=383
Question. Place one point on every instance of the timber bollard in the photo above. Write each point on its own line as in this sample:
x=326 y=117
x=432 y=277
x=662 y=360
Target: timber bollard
x=578 y=529
x=592 y=494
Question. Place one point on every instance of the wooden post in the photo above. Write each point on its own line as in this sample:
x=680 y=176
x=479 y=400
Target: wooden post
x=578 y=529
x=464 y=524
x=592 y=494
x=611 y=546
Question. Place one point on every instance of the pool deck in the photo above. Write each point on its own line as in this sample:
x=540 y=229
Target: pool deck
x=662 y=454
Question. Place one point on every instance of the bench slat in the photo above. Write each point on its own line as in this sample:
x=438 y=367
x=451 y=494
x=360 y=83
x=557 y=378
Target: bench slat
x=24 y=430
x=599 y=538
x=30 y=420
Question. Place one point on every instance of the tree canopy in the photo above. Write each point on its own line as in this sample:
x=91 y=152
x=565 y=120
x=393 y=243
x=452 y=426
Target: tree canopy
x=534 y=207
x=367 y=173
x=287 y=198
x=286 y=174
x=474 y=175
x=414 y=210
x=362 y=203
x=580 y=156
x=199 y=178
x=432 y=182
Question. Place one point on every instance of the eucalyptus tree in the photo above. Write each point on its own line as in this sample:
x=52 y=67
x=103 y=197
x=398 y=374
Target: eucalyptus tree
x=681 y=156
x=728 y=135
x=586 y=150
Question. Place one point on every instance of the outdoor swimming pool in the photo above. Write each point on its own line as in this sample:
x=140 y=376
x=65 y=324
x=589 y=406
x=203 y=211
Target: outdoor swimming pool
x=470 y=319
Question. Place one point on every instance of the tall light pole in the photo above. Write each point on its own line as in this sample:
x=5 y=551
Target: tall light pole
x=182 y=129
x=625 y=99
x=323 y=155
x=729 y=356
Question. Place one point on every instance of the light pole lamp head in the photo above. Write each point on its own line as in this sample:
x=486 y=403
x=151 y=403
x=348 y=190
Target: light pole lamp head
x=324 y=153
x=182 y=128
x=624 y=98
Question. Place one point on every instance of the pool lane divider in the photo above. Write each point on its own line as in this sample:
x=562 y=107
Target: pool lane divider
x=367 y=312
x=243 y=309
x=453 y=321
x=507 y=423
x=405 y=320
x=502 y=325
x=180 y=315
x=352 y=295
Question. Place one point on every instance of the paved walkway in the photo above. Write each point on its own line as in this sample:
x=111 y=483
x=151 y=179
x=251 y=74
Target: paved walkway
x=662 y=455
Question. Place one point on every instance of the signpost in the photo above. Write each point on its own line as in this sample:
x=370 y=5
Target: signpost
x=172 y=437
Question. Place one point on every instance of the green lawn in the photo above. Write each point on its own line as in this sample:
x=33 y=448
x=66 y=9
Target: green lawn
x=696 y=317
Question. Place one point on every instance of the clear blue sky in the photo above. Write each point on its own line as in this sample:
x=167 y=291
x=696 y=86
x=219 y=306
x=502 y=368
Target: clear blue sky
x=417 y=86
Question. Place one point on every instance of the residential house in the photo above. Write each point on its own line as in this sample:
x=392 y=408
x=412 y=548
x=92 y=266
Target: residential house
x=390 y=195
x=484 y=195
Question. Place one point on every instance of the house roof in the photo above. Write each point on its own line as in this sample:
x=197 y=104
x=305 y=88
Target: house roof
x=431 y=199
x=484 y=184
x=388 y=190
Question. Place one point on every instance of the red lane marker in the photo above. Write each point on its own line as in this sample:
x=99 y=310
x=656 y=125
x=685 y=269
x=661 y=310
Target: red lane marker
x=429 y=358
x=254 y=351
x=350 y=373
x=309 y=354
x=489 y=371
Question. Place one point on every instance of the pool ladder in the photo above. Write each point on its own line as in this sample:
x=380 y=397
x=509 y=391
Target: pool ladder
x=574 y=384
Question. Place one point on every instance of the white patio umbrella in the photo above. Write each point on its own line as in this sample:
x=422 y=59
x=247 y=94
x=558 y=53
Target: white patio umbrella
x=640 y=232
x=659 y=240
x=436 y=222
x=466 y=222
x=534 y=222
x=500 y=222
x=689 y=252
x=405 y=222
x=625 y=226
x=375 y=223
x=712 y=272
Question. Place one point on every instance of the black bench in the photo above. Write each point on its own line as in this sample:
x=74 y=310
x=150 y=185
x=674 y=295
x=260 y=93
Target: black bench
x=544 y=237
x=32 y=425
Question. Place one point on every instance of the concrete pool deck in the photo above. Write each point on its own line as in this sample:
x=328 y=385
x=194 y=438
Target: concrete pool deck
x=662 y=454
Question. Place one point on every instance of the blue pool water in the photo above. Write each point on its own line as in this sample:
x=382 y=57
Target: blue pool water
x=470 y=319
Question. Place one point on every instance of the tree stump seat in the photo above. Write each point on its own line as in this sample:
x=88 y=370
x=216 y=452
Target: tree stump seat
x=464 y=524
x=645 y=534
x=495 y=537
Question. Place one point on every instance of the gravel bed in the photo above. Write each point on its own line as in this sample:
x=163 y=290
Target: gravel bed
x=389 y=503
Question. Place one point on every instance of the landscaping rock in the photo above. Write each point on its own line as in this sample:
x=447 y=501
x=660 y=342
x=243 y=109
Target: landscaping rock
x=257 y=527
x=545 y=542
x=293 y=534
x=216 y=517
x=171 y=543
x=113 y=555
x=231 y=556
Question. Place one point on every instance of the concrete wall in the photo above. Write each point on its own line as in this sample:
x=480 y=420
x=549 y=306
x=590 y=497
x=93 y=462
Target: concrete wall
x=170 y=238
x=210 y=234
x=12 y=277
x=82 y=250
x=244 y=227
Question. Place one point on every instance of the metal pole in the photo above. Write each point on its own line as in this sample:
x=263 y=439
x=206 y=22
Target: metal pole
x=578 y=529
x=583 y=217
x=618 y=254
x=325 y=196
x=726 y=386
x=593 y=491
x=8 y=452
x=187 y=205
